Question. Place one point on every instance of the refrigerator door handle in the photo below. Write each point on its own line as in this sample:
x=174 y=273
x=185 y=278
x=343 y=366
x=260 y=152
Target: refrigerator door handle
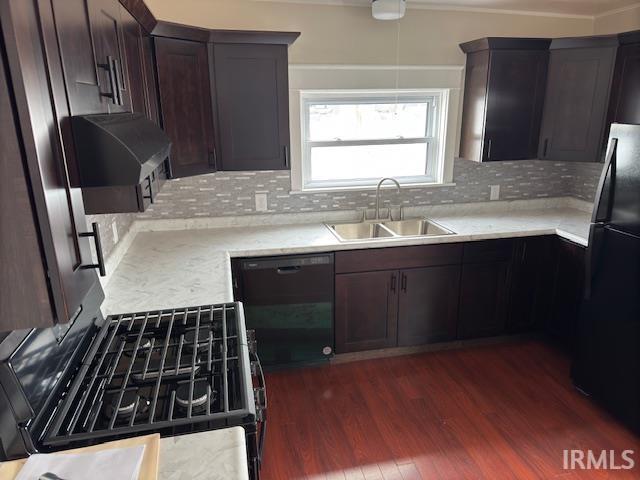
x=607 y=172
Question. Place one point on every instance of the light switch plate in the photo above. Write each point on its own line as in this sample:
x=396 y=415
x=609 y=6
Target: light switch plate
x=261 y=202
x=495 y=192
x=114 y=229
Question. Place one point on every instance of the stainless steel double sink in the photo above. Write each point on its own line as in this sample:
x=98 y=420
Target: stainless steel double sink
x=387 y=229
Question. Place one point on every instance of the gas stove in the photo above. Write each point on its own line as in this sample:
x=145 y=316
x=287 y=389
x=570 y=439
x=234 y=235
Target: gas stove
x=168 y=371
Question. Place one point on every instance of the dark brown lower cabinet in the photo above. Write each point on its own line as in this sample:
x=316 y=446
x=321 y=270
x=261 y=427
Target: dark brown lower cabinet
x=484 y=294
x=531 y=285
x=568 y=285
x=366 y=310
x=428 y=305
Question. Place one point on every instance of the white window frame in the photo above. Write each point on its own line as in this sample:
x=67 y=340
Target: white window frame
x=435 y=133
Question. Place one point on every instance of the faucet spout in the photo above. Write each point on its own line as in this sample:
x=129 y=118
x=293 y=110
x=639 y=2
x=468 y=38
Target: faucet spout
x=378 y=188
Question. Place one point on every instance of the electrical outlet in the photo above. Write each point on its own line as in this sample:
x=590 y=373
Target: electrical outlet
x=495 y=192
x=114 y=229
x=261 y=202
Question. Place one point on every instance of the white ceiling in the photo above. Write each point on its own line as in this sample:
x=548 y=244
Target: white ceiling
x=562 y=7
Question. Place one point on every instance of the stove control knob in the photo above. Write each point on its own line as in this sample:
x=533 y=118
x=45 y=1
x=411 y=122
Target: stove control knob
x=260 y=397
x=251 y=341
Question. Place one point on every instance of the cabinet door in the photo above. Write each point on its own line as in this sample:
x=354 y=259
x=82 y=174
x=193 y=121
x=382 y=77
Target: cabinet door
x=568 y=291
x=428 y=305
x=531 y=283
x=185 y=98
x=576 y=104
x=108 y=44
x=252 y=96
x=483 y=299
x=474 y=103
x=41 y=109
x=625 y=98
x=73 y=34
x=24 y=293
x=514 y=104
x=133 y=54
x=151 y=85
x=366 y=311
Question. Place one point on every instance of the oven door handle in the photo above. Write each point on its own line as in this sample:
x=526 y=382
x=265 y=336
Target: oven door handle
x=260 y=394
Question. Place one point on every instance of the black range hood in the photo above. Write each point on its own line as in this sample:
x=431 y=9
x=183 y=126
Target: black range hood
x=117 y=149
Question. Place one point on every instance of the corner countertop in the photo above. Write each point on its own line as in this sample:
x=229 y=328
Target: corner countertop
x=184 y=263
x=212 y=455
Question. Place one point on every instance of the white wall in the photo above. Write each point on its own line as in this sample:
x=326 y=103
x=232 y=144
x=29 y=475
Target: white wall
x=349 y=35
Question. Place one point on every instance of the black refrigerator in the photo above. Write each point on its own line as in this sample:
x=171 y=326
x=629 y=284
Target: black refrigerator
x=607 y=358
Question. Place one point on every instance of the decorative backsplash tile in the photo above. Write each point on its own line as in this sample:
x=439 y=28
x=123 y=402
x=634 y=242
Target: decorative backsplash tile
x=233 y=193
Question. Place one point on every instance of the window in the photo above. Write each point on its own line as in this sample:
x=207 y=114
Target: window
x=354 y=138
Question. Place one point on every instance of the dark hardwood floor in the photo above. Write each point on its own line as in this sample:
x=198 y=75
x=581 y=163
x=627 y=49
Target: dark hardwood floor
x=497 y=412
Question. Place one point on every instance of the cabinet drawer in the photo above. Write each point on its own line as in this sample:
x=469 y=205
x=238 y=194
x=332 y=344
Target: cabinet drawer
x=398 y=257
x=488 y=251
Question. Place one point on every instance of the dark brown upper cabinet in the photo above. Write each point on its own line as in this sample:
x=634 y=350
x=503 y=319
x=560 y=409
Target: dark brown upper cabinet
x=503 y=98
x=224 y=98
x=252 y=97
x=185 y=98
x=577 y=98
x=56 y=249
x=625 y=90
x=109 y=49
x=108 y=67
x=132 y=41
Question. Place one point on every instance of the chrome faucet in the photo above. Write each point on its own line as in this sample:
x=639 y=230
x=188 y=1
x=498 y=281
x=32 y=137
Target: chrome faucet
x=378 y=194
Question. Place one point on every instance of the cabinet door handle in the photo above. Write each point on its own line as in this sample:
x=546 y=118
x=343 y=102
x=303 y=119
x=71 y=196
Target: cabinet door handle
x=403 y=283
x=113 y=82
x=524 y=252
x=286 y=156
x=213 y=159
x=393 y=283
x=150 y=186
x=95 y=233
x=489 y=143
x=116 y=73
x=545 y=147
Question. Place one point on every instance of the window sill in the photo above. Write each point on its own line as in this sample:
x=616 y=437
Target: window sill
x=365 y=188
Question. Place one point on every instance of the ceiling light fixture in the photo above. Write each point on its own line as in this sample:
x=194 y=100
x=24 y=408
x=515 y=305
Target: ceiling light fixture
x=388 y=9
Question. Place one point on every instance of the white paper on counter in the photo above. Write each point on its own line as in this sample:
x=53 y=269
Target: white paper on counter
x=117 y=463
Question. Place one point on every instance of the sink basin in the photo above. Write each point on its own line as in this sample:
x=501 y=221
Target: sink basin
x=416 y=227
x=359 y=231
x=372 y=230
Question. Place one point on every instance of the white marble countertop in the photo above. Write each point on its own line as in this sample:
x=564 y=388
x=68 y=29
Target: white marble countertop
x=213 y=455
x=178 y=267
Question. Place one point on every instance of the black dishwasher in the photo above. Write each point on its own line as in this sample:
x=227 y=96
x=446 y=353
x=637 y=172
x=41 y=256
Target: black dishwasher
x=288 y=301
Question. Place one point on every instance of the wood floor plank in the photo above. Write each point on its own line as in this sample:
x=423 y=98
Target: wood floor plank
x=494 y=412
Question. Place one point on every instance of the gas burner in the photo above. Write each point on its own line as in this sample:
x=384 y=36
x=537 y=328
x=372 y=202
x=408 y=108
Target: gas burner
x=203 y=338
x=127 y=405
x=145 y=344
x=138 y=374
x=199 y=395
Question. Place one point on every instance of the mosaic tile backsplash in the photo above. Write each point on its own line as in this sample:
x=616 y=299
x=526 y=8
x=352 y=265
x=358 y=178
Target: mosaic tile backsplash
x=233 y=193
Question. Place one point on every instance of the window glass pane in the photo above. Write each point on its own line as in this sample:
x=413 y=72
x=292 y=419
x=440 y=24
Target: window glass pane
x=367 y=121
x=368 y=161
